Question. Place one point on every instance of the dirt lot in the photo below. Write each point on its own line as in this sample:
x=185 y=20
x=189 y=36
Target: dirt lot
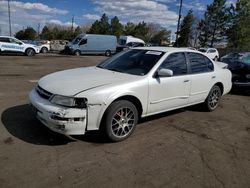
x=184 y=148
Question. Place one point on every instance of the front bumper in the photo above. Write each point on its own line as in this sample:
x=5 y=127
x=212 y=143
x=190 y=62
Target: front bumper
x=68 y=121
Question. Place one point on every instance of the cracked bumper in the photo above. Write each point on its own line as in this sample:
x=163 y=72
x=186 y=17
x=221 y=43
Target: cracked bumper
x=69 y=121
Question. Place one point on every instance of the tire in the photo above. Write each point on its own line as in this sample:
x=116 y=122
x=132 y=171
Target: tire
x=213 y=98
x=44 y=50
x=108 y=53
x=120 y=120
x=77 y=53
x=30 y=52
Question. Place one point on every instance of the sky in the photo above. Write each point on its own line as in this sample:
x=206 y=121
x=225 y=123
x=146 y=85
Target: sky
x=32 y=13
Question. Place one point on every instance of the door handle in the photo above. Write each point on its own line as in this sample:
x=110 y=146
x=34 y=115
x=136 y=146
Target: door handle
x=185 y=81
x=213 y=77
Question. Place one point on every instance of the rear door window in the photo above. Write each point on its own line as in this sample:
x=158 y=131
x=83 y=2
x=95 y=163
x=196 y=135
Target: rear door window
x=199 y=63
x=4 y=39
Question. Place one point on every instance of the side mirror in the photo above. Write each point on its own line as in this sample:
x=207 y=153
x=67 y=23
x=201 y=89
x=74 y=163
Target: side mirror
x=165 y=73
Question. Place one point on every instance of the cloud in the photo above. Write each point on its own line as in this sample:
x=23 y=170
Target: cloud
x=66 y=24
x=138 y=11
x=26 y=14
x=195 y=6
x=91 y=16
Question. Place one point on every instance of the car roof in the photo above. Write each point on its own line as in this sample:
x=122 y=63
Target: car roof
x=165 y=49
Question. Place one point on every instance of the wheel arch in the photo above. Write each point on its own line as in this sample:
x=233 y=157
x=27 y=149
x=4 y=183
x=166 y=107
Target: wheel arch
x=134 y=100
x=220 y=85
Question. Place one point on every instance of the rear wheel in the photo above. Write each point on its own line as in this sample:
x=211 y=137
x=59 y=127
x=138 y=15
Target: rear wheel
x=108 y=53
x=30 y=52
x=120 y=120
x=213 y=98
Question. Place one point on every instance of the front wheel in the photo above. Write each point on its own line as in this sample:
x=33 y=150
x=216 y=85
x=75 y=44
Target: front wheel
x=213 y=98
x=120 y=120
x=44 y=50
x=30 y=52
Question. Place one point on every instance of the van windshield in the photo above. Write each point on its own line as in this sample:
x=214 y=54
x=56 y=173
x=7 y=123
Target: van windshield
x=76 y=40
x=135 y=61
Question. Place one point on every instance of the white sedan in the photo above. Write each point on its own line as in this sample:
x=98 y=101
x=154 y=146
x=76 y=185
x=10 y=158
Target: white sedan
x=140 y=82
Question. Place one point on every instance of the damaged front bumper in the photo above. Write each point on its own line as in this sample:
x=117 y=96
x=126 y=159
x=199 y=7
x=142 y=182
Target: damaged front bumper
x=69 y=121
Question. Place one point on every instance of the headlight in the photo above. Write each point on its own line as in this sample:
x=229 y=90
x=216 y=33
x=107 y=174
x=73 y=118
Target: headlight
x=69 y=101
x=248 y=76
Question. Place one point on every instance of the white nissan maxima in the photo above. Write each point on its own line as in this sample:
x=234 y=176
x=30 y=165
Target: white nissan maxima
x=140 y=82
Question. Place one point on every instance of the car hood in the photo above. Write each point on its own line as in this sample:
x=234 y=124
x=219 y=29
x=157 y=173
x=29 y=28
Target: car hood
x=73 y=81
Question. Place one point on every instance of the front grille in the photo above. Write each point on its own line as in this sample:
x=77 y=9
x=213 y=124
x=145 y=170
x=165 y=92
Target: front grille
x=43 y=93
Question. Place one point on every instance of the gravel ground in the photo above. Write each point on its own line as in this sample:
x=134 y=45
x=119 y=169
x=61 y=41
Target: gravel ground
x=182 y=148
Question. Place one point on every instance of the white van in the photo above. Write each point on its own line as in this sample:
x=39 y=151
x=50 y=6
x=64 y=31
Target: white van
x=92 y=44
x=13 y=45
x=125 y=42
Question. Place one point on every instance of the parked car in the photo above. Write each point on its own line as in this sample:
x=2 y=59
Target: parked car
x=239 y=64
x=92 y=44
x=132 y=84
x=127 y=42
x=13 y=45
x=212 y=53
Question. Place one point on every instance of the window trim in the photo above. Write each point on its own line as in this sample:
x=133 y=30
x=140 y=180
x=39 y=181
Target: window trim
x=189 y=64
x=186 y=60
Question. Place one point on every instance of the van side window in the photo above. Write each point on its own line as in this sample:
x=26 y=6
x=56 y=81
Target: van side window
x=175 y=62
x=84 y=41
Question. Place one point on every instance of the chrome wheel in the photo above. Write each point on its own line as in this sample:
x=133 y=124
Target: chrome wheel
x=212 y=101
x=120 y=120
x=123 y=122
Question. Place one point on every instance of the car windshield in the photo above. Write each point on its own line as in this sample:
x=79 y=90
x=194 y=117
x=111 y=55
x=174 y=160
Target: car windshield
x=246 y=59
x=136 y=62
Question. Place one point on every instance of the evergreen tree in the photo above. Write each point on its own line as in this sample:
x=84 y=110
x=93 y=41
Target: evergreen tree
x=239 y=33
x=95 y=28
x=116 y=27
x=104 y=25
x=186 y=30
x=213 y=26
x=129 y=29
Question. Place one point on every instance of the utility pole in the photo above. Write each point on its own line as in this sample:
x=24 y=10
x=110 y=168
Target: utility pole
x=178 y=26
x=38 y=30
x=9 y=17
x=72 y=23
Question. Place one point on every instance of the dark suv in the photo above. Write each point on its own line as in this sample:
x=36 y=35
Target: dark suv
x=239 y=64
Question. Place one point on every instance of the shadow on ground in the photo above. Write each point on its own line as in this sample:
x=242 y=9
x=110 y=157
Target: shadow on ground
x=20 y=122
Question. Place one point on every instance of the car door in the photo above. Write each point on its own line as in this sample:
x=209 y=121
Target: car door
x=202 y=76
x=167 y=93
x=16 y=45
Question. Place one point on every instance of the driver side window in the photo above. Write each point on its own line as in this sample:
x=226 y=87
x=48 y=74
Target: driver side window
x=177 y=63
x=84 y=41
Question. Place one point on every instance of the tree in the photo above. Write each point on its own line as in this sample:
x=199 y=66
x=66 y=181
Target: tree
x=116 y=27
x=185 y=32
x=104 y=25
x=162 y=37
x=129 y=29
x=28 y=34
x=77 y=31
x=214 y=23
x=141 y=31
x=239 y=32
x=46 y=34
x=95 y=28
